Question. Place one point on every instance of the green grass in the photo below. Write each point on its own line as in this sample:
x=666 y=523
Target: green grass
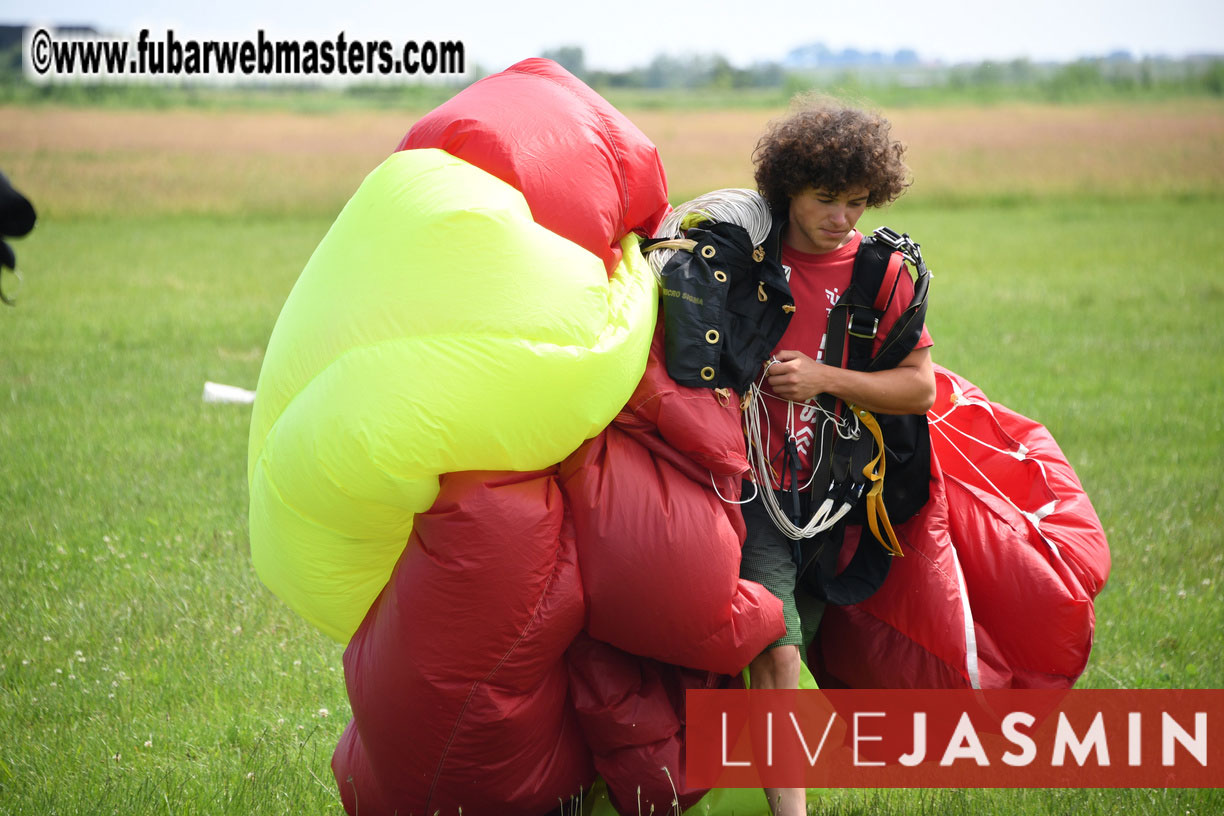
x=144 y=668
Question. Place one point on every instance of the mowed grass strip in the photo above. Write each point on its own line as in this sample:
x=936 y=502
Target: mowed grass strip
x=145 y=669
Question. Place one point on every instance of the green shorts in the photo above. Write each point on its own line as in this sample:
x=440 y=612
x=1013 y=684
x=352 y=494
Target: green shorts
x=768 y=560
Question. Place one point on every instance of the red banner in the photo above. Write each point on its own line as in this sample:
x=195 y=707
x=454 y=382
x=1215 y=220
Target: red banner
x=1083 y=738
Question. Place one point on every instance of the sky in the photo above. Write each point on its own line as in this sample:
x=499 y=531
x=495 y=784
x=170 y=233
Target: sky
x=619 y=35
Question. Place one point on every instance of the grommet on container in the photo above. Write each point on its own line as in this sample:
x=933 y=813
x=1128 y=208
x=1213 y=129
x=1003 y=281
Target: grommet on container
x=758 y=254
x=707 y=373
x=720 y=276
x=707 y=251
x=712 y=336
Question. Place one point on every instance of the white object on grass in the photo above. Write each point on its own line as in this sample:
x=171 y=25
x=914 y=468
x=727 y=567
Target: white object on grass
x=216 y=392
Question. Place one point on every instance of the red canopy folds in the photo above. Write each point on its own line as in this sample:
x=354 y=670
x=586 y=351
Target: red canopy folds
x=587 y=172
x=542 y=627
x=1001 y=566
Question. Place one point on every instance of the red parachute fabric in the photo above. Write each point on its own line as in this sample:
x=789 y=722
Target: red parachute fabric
x=632 y=716
x=471 y=679
x=456 y=677
x=1000 y=570
x=587 y=172
x=658 y=549
x=534 y=628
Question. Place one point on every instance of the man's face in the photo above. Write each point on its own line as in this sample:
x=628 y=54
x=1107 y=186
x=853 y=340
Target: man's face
x=821 y=221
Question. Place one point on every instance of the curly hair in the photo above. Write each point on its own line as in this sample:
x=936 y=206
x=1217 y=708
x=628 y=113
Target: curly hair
x=831 y=147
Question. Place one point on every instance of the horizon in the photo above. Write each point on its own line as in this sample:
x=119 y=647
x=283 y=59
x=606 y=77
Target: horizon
x=631 y=33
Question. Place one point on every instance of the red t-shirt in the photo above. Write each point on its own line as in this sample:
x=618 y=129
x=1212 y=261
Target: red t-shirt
x=817 y=282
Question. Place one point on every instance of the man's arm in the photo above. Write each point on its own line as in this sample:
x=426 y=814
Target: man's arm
x=907 y=389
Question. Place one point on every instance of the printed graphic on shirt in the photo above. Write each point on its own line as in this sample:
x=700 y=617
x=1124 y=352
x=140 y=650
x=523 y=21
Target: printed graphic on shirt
x=806 y=435
x=831 y=295
x=803 y=440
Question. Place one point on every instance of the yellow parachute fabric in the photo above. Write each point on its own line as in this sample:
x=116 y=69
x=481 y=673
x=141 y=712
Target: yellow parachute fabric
x=436 y=328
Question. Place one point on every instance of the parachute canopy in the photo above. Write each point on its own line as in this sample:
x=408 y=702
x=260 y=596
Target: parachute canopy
x=468 y=462
x=1002 y=565
x=436 y=328
x=587 y=172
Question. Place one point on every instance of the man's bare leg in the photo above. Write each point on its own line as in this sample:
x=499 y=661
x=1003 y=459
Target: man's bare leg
x=778 y=668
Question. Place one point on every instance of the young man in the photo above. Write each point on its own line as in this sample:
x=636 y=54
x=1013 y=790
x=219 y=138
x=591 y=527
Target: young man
x=819 y=169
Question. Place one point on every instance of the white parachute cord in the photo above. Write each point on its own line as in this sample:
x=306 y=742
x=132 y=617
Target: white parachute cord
x=825 y=516
x=819 y=451
x=752 y=427
x=847 y=428
x=940 y=423
x=958 y=400
x=1032 y=518
x=756 y=489
x=733 y=205
x=1020 y=453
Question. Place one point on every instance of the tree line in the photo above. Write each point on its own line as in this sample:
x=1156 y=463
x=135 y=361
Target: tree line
x=1119 y=73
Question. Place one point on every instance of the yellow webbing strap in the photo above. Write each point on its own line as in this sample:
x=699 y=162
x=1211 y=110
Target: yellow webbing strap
x=875 y=496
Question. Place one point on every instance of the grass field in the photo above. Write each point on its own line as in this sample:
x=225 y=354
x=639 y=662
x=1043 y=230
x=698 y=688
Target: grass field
x=145 y=670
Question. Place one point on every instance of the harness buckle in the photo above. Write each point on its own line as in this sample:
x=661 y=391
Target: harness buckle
x=856 y=325
x=902 y=243
x=889 y=236
x=847 y=491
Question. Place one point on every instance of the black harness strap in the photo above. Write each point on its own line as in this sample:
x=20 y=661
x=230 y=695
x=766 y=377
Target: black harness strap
x=850 y=340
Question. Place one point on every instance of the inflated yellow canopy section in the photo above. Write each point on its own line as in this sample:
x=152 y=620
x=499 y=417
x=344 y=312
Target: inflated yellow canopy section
x=436 y=328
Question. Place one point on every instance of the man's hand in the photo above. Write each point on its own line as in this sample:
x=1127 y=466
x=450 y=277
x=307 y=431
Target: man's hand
x=907 y=389
x=797 y=377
